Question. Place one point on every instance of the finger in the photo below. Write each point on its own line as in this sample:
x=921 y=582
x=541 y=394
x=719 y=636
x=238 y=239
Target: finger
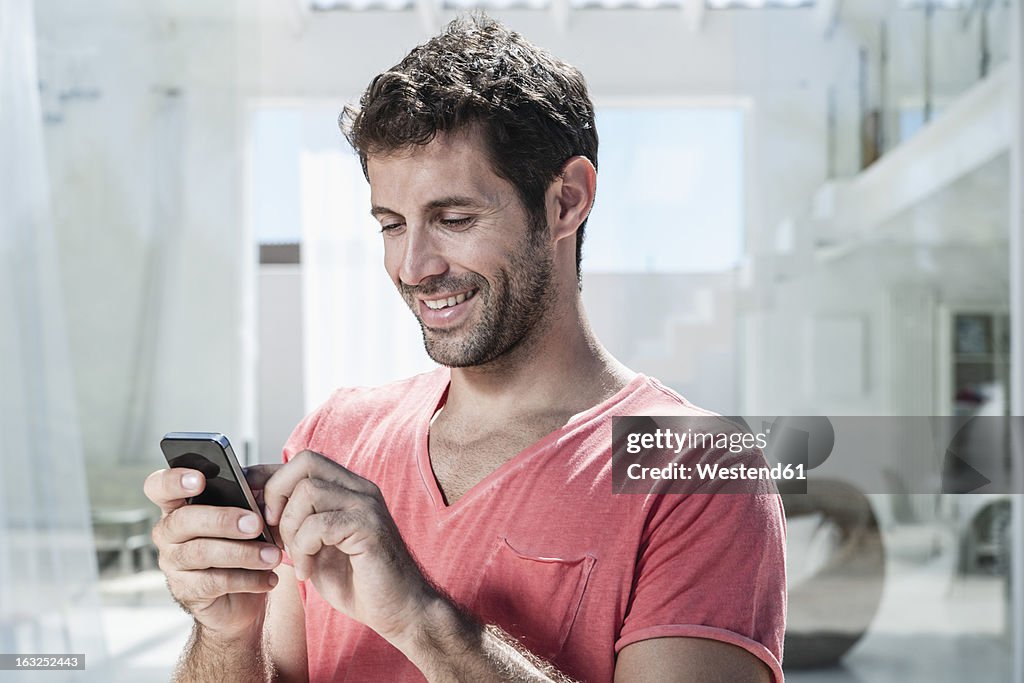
x=171 y=488
x=311 y=496
x=344 y=529
x=207 y=521
x=212 y=553
x=308 y=465
x=258 y=475
x=210 y=584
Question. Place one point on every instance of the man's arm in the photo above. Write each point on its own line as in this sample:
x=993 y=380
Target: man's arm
x=217 y=573
x=277 y=654
x=451 y=645
x=284 y=633
x=209 y=658
x=448 y=645
x=688 y=660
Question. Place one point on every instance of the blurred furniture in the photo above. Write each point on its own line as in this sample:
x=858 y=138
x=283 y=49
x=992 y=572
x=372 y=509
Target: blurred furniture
x=122 y=516
x=125 y=532
x=832 y=609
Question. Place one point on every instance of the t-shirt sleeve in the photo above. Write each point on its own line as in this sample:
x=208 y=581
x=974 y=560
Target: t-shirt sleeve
x=712 y=566
x=302 y=435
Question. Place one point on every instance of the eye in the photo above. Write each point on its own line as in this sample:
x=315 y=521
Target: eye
x=391 y=228
x=456 y=222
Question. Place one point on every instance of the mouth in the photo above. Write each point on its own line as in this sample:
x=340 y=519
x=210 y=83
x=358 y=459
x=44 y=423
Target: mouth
x=446 y=311
x=448 y=302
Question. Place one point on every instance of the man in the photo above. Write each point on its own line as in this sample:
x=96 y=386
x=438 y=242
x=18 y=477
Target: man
x=460 y=525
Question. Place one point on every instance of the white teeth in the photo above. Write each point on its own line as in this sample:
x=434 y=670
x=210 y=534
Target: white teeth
x=450 y=301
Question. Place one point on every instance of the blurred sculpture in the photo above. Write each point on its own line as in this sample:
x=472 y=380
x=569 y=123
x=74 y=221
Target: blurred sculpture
x=831 y=610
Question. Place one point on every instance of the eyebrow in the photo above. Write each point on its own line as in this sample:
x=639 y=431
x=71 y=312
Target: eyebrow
x=442 y=203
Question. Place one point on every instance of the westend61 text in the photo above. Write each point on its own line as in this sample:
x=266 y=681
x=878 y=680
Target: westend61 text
x=716 y=472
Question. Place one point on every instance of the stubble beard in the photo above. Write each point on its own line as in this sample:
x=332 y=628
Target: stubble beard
x=512 y=310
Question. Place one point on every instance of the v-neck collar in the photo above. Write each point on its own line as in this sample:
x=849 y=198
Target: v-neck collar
x=520 y=459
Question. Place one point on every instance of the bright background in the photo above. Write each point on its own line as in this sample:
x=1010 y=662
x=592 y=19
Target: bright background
x=803 y=208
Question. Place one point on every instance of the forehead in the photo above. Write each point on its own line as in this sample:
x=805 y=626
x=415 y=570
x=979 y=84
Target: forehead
x=450 y=164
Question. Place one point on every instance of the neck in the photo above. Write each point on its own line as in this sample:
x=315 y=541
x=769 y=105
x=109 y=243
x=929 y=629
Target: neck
x=559 y=367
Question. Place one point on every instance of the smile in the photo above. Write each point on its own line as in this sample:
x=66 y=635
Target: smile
x=438 y=304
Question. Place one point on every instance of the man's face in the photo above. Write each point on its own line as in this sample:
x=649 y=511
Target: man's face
x=461 y=250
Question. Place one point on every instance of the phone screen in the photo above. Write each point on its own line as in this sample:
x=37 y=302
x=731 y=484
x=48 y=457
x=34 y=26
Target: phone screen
x=207 y=455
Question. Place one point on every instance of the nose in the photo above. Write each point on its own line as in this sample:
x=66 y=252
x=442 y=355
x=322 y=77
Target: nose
x=420 y=256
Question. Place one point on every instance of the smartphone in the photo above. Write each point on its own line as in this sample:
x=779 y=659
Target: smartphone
x=211 y=454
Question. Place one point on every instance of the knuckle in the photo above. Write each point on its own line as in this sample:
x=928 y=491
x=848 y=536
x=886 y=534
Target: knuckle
x=243 y=555
x=156 y=533
x=305 y=487
x=168 y=559
x=304 y=543
x=165 y=528
x=341 y=518
x=287 y=529
x=190 y=555
x=178 y=524
x=209 y=583
x=225 y=520
x=337 y=525
x=164 y=563
x=174 y=557
x=370 y=511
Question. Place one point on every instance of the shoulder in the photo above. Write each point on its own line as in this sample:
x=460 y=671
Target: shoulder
x=367 y=401
x=348 y=410
x=662 y=401
x=655 y=396
x=650 y=398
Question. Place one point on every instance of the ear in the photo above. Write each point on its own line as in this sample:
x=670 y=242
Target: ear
x=570 y=197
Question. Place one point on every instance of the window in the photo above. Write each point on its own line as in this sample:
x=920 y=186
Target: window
x=670 y=191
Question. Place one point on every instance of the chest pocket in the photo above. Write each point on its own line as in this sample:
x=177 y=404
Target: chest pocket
x=535 y=599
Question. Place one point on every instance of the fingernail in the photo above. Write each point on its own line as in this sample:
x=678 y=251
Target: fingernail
x=269 y=555
x=273 y=580
x=248 y=524
x=190 y=481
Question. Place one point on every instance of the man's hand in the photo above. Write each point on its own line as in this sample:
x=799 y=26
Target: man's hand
x=339 y=534
x=216 y=575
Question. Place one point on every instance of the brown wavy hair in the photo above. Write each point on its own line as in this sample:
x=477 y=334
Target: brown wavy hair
x=532 y=108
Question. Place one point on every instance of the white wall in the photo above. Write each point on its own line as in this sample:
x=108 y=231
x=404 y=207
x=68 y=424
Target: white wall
x=279 y=385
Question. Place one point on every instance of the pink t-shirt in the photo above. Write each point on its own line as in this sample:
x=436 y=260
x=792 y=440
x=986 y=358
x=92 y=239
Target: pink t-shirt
x=543 y=548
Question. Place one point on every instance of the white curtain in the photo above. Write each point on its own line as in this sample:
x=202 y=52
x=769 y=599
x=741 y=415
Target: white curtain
x=358 y=331
x=48 y=591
